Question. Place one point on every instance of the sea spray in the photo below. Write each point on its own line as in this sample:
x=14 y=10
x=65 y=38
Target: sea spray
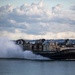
x=30 y=55
x=8 y=49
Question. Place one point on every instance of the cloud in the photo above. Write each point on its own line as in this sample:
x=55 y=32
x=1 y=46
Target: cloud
x=36 y=21
x=48 y=35
x=72 y=8
x=57 y=8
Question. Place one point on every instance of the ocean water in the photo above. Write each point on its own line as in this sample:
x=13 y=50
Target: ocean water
x=29 y=67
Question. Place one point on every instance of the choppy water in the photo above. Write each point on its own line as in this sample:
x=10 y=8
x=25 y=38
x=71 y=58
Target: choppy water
x=28 y=67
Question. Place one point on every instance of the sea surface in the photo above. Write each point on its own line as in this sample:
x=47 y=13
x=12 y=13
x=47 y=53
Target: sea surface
x=29 y=67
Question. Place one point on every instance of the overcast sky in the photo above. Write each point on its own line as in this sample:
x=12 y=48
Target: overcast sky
x=34 y=19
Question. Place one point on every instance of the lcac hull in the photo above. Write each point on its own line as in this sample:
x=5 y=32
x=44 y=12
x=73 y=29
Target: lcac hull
x=61 y=55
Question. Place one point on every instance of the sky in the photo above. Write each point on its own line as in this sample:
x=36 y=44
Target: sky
x=35 y=19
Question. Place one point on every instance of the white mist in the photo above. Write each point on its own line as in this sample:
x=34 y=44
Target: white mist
x=8 y=49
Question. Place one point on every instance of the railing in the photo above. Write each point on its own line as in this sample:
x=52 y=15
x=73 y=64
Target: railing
x=66 y=48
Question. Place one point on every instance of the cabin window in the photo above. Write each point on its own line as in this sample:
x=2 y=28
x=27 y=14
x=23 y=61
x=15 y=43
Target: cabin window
x=34 y=46
x=40 y=46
